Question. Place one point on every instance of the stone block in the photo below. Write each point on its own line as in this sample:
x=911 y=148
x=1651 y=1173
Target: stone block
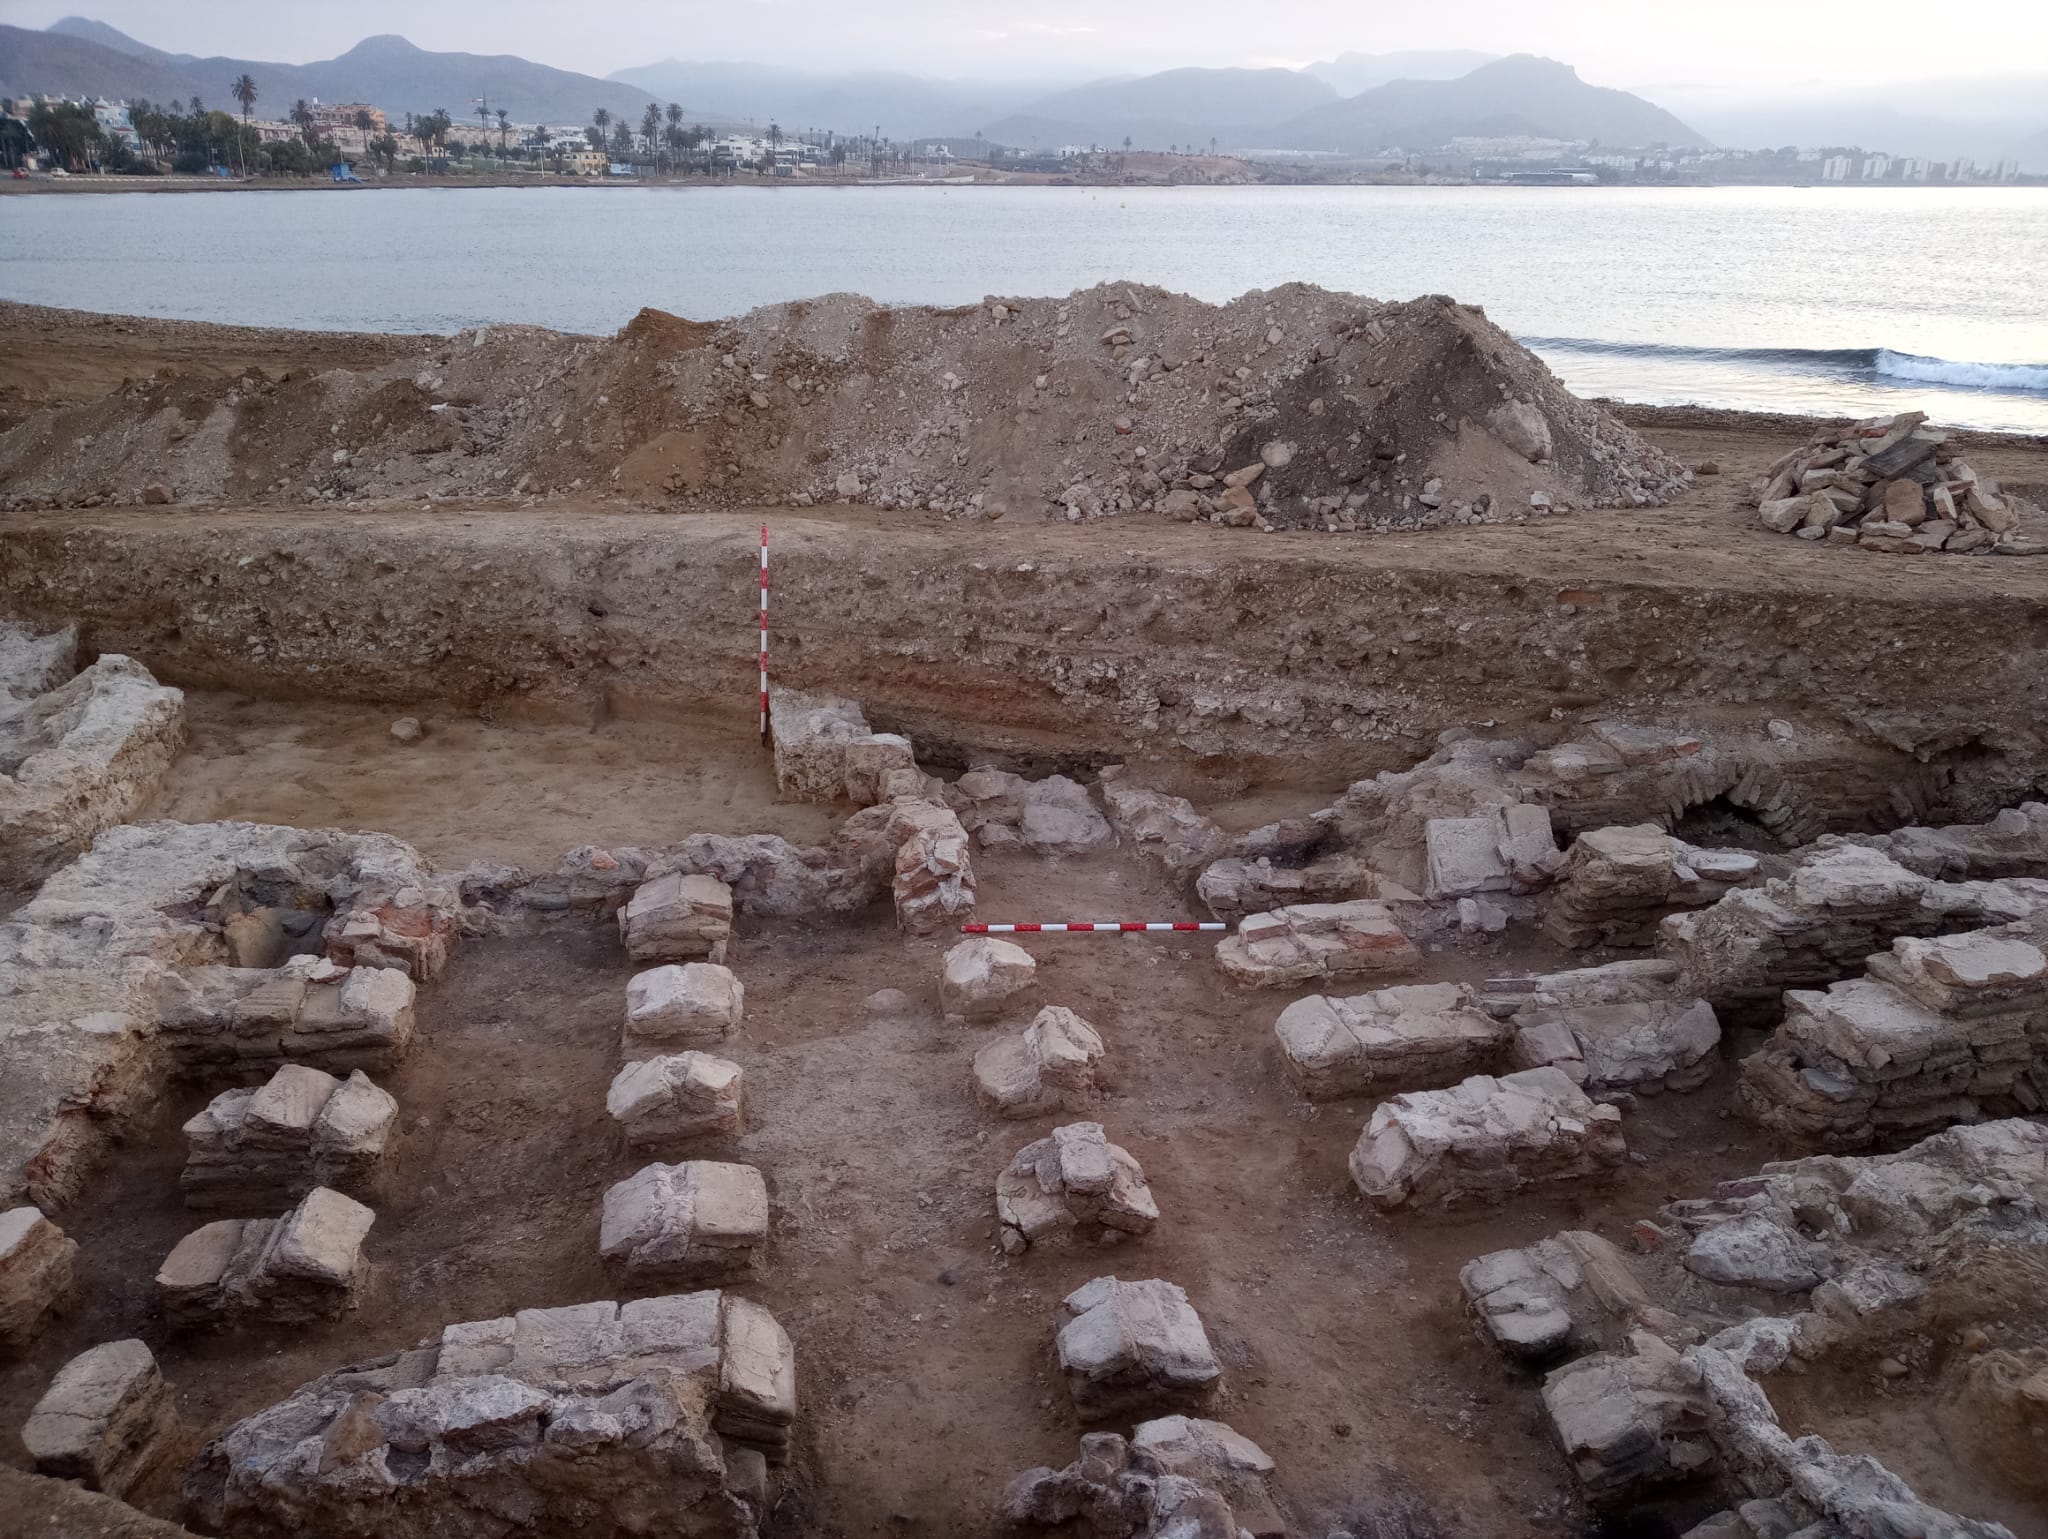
x=1292 y=946
x=106 y=1419
x=1412 y=1034
x=1074 y=1184
x=933 y=882
x=1133 y=1346
x=983 y=977
x=307 y=1265
x=302 y=1129
x=698 y=1220
x=695 y=1004
x=664 y=1101
x=36 y=1264
x=1049 y=1066
x=677 y=918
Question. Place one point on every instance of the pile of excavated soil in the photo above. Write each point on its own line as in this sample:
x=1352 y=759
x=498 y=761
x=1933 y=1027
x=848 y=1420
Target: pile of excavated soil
x=1294 y=408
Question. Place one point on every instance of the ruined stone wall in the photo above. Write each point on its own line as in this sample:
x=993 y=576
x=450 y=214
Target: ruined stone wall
x=1298 y=661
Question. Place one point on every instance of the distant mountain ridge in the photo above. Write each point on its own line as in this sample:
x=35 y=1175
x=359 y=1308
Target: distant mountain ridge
x=83 y=57
x=1178 y=106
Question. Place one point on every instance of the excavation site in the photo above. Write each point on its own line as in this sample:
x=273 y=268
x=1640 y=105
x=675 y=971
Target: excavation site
x=1101 y=916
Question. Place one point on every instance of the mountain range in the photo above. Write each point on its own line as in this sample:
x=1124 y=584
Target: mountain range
x=1355 y=103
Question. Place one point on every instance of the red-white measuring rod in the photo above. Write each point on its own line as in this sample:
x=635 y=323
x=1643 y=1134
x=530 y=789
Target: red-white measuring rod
x=1035 y=929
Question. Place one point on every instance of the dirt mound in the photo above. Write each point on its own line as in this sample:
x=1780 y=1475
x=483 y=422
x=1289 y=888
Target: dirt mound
x=1294 y=407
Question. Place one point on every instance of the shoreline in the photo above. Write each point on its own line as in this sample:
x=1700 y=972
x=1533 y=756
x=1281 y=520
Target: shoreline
x=93 y=183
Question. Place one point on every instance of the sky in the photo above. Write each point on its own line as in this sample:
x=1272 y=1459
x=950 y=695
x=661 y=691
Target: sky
x=1675 y=51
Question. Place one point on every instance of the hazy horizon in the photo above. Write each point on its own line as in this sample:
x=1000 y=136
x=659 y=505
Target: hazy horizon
x=1742 y=51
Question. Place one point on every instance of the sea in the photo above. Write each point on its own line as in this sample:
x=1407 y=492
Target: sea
x=1856 y=300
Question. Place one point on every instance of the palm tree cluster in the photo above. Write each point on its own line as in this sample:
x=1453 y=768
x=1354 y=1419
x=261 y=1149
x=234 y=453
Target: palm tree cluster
x=661 y=138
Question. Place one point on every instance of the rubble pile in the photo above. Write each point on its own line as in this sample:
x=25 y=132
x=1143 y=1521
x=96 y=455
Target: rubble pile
x=307 y=1265
x=308 y=1012
x=2014 y=843
x=661 y=1102
x=303 y=1128
x=1816 y=925
x=1128 y=1347
x=1050 y=816
x=1508 y=848
x=824 y=752
x=1293 y=946
x=700 y=1221
x=1894 y=485
x=79 y=751
x=1416 y=1034
x=1631 y=1027
x=1049 y=1066
x=1617 y=884
x=1175 y=1476
x=1168 y=829
x=1484 y=1140
x=1291 y=407
x=1073 y=1184
x=933 y=885
x=114 y=977
x=36 y=1264
x=675 y=918
x=1663 y=1350
x=1942 y=1030
x=107 y=1419
x=658 y=1417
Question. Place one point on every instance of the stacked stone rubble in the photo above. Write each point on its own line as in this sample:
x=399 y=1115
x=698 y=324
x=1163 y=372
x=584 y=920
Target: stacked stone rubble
x=1293 y=946
x=698 y=1221
x=662 y=1102
x=1050 y=1066
x=303 y=1128
x=1895 y=486
x=1942 y=1030
x=1484 y=1140
x=2014 y=843
x=1507 y=848
x=1665 y=1348
x=1126 y=1347
x=1417 y=1034
x=309 y=1012
x=1633 y=1026
x=1168 y=829
x=677 y=918
x=1051 y=816
x=933 y=884
x=114 y=977
x=1617 y=884
x=1816 y=925
x=307 y=1265
x=1074 y=1184
x=1176 y=1477
x=658 y=1417
x=824 y=751
x=692 y=1004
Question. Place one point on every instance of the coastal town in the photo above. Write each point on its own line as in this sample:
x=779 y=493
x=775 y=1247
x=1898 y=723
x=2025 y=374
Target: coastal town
x=50 y=135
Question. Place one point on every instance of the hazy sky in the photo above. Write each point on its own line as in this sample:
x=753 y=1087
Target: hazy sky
x=1673 y=50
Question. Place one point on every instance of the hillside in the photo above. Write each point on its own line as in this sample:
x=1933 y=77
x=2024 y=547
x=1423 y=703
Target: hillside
x=1543 y=97
x=904 y=106
x=1176 y=106
x=387 y=72
x=1350 y=73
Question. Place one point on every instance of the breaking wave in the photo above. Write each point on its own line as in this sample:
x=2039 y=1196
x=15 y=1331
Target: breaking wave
x=1867 y=365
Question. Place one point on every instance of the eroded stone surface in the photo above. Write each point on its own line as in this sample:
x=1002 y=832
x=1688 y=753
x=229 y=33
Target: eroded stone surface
x=694 y=1004
x=934 y=873
x=1130 y=1346
x=36 y=1264
x=824 y=751
x=1049 y=1066
x=1412 y=1034
x=1293 y=946
x=106 y=1419
x=1484 y=1140
x=696 y=1221
x=1073 y=1184
x=307 y=1265
x=1627 y=1026
x=983 y=977
x=649 y=1417
x=303 y=1128
x=661 y=1102
x=1178 y=1477
x=675 y=918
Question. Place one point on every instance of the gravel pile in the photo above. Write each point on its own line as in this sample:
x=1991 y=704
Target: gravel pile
x=1290 y=408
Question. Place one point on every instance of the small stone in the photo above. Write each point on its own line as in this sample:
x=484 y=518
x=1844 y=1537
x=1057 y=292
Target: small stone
x=1892 y=1368
x=406 y=729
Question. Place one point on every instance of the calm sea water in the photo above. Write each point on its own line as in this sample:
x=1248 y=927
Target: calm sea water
x=1781 y=299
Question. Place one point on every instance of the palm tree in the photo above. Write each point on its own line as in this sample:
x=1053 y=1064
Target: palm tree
x=364 y=123
x=196 y=107
x=244 y=91
x=504 y=127
x=601 y=120
x=303 y=116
